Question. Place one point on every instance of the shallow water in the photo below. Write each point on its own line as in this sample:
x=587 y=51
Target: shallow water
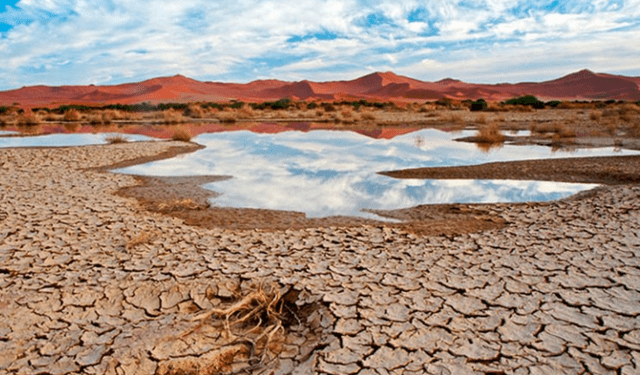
x=325 y=173
x=66 y=140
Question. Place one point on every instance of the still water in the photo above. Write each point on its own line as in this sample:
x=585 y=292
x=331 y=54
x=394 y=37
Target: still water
x=64 y=140
x=326 y=173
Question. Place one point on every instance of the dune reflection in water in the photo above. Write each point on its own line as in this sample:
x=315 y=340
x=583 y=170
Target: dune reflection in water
x=326 y=173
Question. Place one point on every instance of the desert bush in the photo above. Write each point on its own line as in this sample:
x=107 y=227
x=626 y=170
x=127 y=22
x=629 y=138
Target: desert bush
x=181 y=134
x=526 y=100
x=319 y=112
x=444 y=102
x=312 y=105
x=490 y=134
x=478 y=105
x=553 y=103
x=328 y=107
x=482 y=119
x=114 y=139
x=71 y=115
x=174 y=106
x=281 y=104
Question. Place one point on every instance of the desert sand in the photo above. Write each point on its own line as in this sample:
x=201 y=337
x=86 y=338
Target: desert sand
x=95 y=282
x=378 y=86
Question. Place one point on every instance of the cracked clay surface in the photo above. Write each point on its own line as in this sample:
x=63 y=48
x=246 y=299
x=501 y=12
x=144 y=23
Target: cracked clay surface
x=90 y=283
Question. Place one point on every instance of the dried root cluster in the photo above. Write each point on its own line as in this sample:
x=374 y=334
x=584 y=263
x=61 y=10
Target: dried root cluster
x=253 y=331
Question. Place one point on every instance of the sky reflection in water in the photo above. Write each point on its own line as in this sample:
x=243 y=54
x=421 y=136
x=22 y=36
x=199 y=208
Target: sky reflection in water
x=66 y=140
x=325 y=173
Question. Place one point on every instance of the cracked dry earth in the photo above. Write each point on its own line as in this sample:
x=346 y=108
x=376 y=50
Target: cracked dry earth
x=90 y=283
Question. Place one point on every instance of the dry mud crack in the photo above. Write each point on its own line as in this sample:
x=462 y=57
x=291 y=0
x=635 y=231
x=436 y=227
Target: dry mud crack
x=92 y=283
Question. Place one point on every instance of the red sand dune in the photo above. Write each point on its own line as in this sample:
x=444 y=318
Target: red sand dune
x=582 y=85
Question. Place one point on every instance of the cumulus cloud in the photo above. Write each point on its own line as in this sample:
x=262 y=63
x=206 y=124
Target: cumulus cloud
x=79 y=42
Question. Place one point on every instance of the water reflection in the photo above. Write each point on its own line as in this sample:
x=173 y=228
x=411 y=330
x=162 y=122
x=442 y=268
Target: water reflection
x=65 y=140
x=325 y=173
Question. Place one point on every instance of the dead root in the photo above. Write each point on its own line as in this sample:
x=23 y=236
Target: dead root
x=253 y=331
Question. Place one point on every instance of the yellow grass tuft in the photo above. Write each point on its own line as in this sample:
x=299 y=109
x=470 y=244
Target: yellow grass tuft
x=115 y=139
x=181 y=134
x=369 y=116
x=71 y=115
x=246 y=112
x=194 y=111
x=172 y=117
x=226 y=117
x=490 y=134
x=595 y=115
x=28 y=119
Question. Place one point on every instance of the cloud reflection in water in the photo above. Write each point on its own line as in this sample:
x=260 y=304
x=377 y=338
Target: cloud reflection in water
x=325 y=173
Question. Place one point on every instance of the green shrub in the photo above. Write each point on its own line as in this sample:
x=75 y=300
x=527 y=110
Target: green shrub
x=176 y=106
x=281 y=104
x=528 y=100
x=553 y=103
x=444 y=102
x=236 y=105
x=478 y=105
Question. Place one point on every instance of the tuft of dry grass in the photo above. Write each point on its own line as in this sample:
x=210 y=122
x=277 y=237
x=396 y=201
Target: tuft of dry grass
x=555 y=128
x=181 y=134
x=490 y=134
x=107 y=116
x=595 y=115
x=224 y=116
x=346 y=112
x=28 y=119
x=71 y=115
x=194 y=111
x=95 y=119
x=115 y=139
x=369 y=116
x=454 y=118
x=144 y=237
x=172 y=117
x=246 y=112
x=481 y=119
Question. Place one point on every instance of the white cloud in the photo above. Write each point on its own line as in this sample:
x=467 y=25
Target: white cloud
x=78 y=42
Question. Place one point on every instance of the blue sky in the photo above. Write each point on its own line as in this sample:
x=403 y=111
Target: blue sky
x=56 y=42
